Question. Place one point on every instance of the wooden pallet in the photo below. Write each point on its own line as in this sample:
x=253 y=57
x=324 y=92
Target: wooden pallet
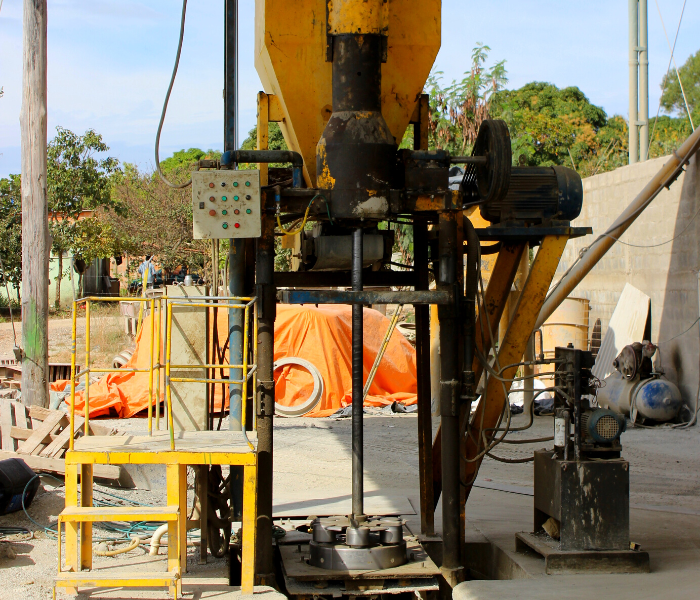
x=40 y=437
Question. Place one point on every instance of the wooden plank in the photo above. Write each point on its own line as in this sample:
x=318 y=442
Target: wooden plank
x=58 y=465
x=50 y=424
x=55 y=448
x=6 y=426
x=21 y=434
x=21 y=416
x=39 y=413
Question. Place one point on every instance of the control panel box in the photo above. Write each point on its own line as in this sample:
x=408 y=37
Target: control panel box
x=226 y=204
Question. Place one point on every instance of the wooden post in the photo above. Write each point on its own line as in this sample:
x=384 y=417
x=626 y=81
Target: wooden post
x=35 y=225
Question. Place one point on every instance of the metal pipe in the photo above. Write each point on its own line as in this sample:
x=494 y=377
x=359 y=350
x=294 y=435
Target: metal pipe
x=450 y=259
x=663 y=178
x=643 y=81
x=633 y=80
x=471 y=282
x=357 y=377
x=266 y=156
x=265 y=267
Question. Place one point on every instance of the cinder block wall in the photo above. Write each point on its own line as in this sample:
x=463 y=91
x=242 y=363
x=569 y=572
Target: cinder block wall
x=668 y=273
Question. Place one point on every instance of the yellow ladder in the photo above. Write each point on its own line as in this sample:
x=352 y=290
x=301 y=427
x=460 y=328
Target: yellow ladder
x=79 y=515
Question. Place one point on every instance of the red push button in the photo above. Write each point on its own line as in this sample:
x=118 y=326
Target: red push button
x=212 y=213
x=236 y=212
x=212 y=199
x=211 y=185
x=237 y=225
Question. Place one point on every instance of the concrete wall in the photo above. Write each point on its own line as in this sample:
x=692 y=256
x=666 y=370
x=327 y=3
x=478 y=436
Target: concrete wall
x=667 y=273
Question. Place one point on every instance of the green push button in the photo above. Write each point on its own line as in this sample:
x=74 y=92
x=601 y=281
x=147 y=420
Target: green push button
x=235 y=198
x=235 y=184
x=247 y=183
x=248 y=211
x=224 y=212
x=224 y=198
x=225 y=225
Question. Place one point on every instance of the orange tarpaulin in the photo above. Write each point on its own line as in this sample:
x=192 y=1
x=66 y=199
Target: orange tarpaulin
x=323 y=336
x=320 y=335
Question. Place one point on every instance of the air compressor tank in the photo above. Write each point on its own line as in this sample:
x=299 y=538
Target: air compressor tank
x=655 y=398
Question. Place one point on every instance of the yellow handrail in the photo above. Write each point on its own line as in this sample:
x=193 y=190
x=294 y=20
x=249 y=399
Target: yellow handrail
x=72 y=381
x=87 y=366
x=249 y=370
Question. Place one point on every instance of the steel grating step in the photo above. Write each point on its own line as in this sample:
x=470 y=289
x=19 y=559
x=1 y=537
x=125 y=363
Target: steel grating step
x=123 y=579
x=74 y=514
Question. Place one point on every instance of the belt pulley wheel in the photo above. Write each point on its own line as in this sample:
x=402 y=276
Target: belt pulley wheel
x=490 y=179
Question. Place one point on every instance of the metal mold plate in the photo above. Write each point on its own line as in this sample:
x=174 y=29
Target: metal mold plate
x=419 y=566
x=241 y=190
x=340 y=557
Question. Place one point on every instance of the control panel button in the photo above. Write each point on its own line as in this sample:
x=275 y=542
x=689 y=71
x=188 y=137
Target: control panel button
x=213 y=217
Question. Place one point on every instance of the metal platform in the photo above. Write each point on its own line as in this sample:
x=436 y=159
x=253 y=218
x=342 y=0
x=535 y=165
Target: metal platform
x=559 y=562
x=191 y=448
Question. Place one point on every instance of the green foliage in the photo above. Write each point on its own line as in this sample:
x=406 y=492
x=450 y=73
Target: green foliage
x=672 y=97
x=178 y=167
x=78 y=181
x=552 y=126
x=667 y=134
x=157 y=219
x=275 y=141
x=457 y=110
x=11 y=230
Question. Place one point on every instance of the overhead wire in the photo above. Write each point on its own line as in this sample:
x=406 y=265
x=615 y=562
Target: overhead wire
x=177 y=186
x=678 y=73
x=668 y=70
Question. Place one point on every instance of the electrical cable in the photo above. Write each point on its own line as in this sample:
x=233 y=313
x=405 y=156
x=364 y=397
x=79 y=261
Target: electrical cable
x=660 y=244
x=668 y=70
x=678 y=74
x=306 y=216
x=682 y=161
x=165 y=104
x=680 y=334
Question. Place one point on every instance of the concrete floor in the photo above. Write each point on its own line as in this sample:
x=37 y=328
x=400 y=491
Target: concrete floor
x=665 y=515
x=313 y=462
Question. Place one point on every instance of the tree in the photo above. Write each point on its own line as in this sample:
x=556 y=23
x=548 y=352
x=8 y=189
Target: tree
x=77 y=181
x=11 y=232
x=672 y=97
x=457 y=111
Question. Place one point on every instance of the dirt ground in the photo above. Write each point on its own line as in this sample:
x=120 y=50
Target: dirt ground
x=107 y=337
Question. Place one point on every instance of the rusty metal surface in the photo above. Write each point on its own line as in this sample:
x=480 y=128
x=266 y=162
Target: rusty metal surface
x=589 y=498
x=563 y=562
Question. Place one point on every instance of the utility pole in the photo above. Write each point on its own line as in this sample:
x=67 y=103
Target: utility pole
x=643 y=81
x=634 y=81
x=35 y=220
x=638 y=81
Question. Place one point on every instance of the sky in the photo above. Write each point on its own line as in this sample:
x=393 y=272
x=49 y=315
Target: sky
x=109 y=63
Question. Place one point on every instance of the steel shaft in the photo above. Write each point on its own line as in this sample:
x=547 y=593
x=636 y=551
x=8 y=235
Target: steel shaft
x=357 y=381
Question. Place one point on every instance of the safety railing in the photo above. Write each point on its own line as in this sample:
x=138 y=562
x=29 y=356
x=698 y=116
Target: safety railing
x=247 y=305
